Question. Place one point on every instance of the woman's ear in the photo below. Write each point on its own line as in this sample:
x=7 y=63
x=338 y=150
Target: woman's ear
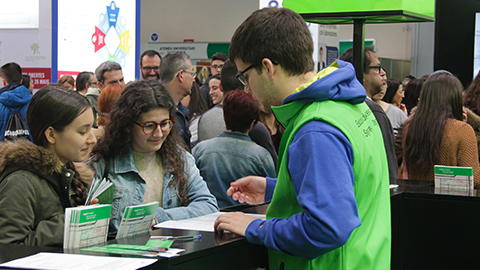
x=50 y=135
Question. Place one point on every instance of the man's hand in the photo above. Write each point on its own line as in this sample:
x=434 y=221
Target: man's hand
x=236 y=222
x=250 y=189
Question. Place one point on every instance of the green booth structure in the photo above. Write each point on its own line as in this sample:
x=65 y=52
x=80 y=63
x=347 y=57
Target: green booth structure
x=361 y=12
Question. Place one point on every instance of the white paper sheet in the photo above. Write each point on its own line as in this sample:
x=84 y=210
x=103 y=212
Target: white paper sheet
x=202 y=223
x=62 y=261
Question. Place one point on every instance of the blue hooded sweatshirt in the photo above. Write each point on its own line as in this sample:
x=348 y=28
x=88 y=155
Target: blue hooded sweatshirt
x=333 y=201
x=13 y=97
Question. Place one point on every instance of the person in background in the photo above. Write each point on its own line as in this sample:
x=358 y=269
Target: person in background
x=85 y=80
x=233 y=155
x=216 y=66
x=106 y=101
x=150 y=65
x=436 y=134
x=38 y=180
x=407 y=80
x=211 y=124
x=13 y=95
x=27 y=81
x=141 y=156
x=330 y=208
x=215 y=92
x=67 y=81
x=412 y=94
x=395 y=94
x=374 y=81
x=395 y=115
x=178 y=74
x=471 y=103
x=196 y=106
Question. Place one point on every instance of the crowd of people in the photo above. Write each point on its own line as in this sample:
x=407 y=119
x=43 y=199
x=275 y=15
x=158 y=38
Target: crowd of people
x=320 y=146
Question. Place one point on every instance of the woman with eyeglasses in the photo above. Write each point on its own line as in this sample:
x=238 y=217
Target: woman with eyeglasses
x=436 y=133
x=140 y=154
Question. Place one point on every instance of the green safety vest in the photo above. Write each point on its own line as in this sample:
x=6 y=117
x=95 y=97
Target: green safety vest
x=369 y=245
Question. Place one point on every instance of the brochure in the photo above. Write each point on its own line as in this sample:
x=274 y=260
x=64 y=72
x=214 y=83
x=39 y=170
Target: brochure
x=454 y=180
x=137 y=219
x=86 y=225
x=102 y=190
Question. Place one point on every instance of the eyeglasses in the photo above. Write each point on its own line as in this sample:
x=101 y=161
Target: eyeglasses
x=194 y=73
x=242 y=77
x=93 y=83
x=149 y=127
x=148 y=69
x=379 y=67
x=217 y=67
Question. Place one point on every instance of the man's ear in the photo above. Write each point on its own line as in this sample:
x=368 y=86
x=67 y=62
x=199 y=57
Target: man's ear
x=271 y=68
x=221 y=87
x=180 y=76
x=3 y=82
x=100 y=85
x=50 y=135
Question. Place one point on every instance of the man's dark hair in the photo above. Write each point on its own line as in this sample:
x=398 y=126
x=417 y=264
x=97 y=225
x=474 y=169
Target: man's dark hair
x=82 y=79
x=348 y=56
x=275 y=33
x=229 y=79
x=11 y=72
x=149 y=53
x=26 y=80
x=106 y=67
x=219 y=56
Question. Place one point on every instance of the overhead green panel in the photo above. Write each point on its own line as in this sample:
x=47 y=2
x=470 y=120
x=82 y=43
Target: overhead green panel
x=379 y=11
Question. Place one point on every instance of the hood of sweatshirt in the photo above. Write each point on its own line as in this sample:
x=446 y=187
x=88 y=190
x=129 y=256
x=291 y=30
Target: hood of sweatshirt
x=336 y=82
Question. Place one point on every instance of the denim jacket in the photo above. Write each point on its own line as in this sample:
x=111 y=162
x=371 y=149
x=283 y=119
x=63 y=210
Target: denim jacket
x=130 y=190
x=228 y=157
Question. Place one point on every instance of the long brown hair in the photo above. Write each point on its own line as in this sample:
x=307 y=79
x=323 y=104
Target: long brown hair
x=137 y=98
x=54 y=106
x=440 y=100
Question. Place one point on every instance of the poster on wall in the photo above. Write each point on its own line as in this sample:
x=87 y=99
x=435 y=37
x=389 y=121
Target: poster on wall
x=26 y=38
x=93 y=31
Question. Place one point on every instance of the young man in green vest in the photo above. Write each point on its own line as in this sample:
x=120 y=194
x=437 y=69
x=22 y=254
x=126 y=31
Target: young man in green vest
x=330 y=205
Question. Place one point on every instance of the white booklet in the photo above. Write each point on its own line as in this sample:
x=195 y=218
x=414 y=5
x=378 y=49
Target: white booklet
x=137 y=219
x=86 y=225
x=202 y=223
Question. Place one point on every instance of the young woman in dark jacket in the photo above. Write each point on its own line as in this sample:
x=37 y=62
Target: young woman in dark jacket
x=38 y=180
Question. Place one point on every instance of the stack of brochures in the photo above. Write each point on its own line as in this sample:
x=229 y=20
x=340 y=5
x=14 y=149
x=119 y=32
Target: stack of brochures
x=137 y=219
x=454 y=180
x=86 y=226
x=102 y=190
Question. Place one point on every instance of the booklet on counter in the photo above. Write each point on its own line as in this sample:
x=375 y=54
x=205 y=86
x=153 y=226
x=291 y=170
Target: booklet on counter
x=454 y=180
x=137 y=219
x=102 y=190
x=86 y=225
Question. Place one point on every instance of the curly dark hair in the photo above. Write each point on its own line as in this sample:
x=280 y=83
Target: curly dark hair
x=137 y=98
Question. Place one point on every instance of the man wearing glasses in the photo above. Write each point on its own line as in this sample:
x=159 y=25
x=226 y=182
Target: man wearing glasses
x=218 y=60
x=178 y=74
x=374 y=79
x=150 y=65
x=330 y=204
